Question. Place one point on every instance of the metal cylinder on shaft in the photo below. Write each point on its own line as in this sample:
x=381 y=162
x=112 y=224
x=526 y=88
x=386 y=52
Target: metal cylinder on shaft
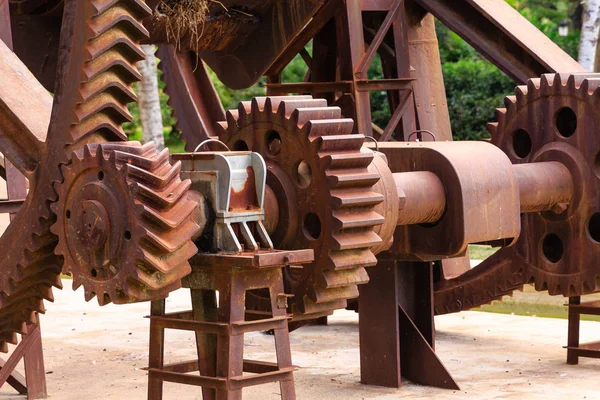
x=422 y=197
x=543 y=186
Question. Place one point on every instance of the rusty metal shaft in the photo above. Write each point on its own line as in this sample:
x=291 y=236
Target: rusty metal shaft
x=422 y=197
x=543 y=186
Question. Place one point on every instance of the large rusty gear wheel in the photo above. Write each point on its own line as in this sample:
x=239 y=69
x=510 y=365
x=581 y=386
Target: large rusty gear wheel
x=123 y=223
x=324 y=190
x=553 y=118
x=99 y=49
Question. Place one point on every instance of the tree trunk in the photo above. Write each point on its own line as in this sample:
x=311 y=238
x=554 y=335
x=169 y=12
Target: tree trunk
x=149 y=100
x=597 y=69
x=589 y=34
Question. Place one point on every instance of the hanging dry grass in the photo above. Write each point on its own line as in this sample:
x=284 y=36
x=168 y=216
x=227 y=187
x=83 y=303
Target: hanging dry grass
x=181 y=18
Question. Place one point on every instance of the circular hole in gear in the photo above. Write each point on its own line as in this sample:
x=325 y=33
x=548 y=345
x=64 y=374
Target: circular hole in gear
x=304 y=174
x=566 y=122
x=273 y=142
x=127 y=235
x=312 y=225
x=240 y=145
x=597 y=164
x=594 y=227
x=68 y=214
x=94 y=273
x=100 y=175
x=521 y=143
x=552 y=247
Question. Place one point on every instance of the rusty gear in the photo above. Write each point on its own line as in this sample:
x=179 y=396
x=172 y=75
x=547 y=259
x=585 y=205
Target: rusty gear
x=94 y=78
x=123 y=223
x=552 y=118
x=325 y=191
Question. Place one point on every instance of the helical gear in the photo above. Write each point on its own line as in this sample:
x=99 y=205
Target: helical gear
x=123 y=222
x=96 y=69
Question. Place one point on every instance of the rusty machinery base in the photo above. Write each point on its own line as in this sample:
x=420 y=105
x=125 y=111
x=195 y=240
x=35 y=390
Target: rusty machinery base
x=220 y=328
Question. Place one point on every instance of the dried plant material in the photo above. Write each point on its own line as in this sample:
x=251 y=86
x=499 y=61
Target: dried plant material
x=180 y=18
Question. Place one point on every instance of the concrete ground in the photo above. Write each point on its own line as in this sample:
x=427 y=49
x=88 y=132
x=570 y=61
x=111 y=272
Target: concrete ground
x=97 y=353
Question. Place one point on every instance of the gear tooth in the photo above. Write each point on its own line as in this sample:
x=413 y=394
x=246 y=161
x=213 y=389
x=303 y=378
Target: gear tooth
x=232 y=118
x=103 y=299
x=509 y=102
x=492 y=128
x=591 y=85
x=76 y=282
x=223 y=127
x=533 y=85
x=87 y=151
x=521 y=93
x=268 y=107
x=254 y=106
x=89 y=295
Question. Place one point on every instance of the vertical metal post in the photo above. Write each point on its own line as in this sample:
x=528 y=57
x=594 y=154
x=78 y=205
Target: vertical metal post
x=379 y=331
x=33 y=360
x=157 y=350
x=282 y=338
x=230 y=348
x=204 y=308
x=573 y=336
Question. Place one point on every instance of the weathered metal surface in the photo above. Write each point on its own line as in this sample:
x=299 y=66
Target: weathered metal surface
x=36 y=43
x=24 y=113
x=431 y=105
x=482 y=197
x=93 y=87
x=192 y=94
x=233 y=183
x=422 y=197
x=234 y=265
x=504 y=36
x=544 y=186
x=123 y=223
x=324 y=190
x=220 y=328
x=551 y=120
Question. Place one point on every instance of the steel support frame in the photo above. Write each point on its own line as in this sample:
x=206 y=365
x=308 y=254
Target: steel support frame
x=220 y=331
x=404 y=328
x=339 y=31
x=29 y=349
x=575 y=349
x=33 y=384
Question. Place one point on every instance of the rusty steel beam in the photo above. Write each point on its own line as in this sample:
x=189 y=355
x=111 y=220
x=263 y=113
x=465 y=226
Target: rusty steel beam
x=10 y=206
x=198 y=113
x=428 y=88
x=25 y=108
x=503 y=36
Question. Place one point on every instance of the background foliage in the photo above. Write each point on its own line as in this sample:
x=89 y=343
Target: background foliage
x=474 y=87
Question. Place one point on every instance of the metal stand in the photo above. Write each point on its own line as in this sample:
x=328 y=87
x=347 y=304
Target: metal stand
x=220 y=327
x=402 y=294
x=574 y=348
x=33 y=384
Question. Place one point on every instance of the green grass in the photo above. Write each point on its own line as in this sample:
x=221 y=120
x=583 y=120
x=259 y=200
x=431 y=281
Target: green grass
x=510 y=306
x=478 y=252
